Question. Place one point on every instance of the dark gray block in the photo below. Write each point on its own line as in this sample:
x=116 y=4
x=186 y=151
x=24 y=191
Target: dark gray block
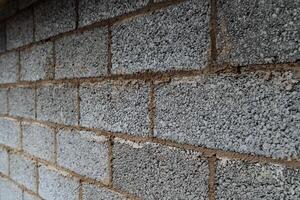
x=54 y=17
x=3 y=101
x=151 y=171
x=173 y=38
x=91 y=192
x=9 y=191
x=258 y=32
x=9 y=132
x=8 y=67
x=25 y=3
x=241 y=113
x=243 y=180
x=9 y=9
x=115 y=106
x=82 y=55
x=2 y=37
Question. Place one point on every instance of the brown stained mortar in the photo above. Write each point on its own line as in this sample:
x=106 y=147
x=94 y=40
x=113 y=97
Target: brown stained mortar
x=37 y=177
x=80 y=190
x=110 y=160
x=212 y=166
x=55 y=132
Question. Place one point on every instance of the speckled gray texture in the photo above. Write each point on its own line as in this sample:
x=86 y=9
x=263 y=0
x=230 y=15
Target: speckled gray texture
x=172 y=38
x=25 y=3
x=82 y=55
x=243 y=180
x=258 y=32
x=84 y=153
x=57 y=103
x=151 y=171
x=38 y=141
x=91 y=192
x=2 y=37
x=3 y=100
x=9 y=191
x=54 y=17
x=9 y=132
x=117 y=106
x=3 y=161
x=37 y=62
x=56 y=186
x=8 y=67
x=91 y=11
x=246 y=113
x=19 y=30
x=22 y=170
x=21 y=102
x=9 y=9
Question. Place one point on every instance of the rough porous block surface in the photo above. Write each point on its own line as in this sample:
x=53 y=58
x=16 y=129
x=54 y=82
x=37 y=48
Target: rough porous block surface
x=25 y=3
x=173 y=38
x=243 y=180
x=2 y=37
x=54 y=17
x=84 y=153
x=8 y=67
x=233 y=112
x=82 y=55
x=91 y=192
x=9 y=132
x=19 y=30
x=117 y=106
x=37 y=62
x=21 y=102
x=91 y=11
x=57 y=103
x=38 y=140
x=3 y=161
x=152 y=171
x=23 y=171
x=9 y=191
x=258 y=33
x=3 y=100
x=57 y=186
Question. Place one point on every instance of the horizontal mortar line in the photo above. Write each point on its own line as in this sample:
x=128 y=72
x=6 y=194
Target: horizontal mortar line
x=208 y=152
x=149 y=76
x=22 y=187
x=101 y=23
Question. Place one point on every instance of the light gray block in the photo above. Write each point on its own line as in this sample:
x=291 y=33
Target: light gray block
x=9 y=132
x=243 y=113
x=37 y=62
x=23 y=171
x=91 y=11
x=21 y=102
x=3 y=161
x=243 y=180
x=57 y=103
x=9 y=191
x=3 y=101
x=54 y=17
x=38 y=140
x=8 y=67
x=82 y=55
x=56 y=186
x=173 y=38
x=152 y=171
x=84 y=153
x=19 y=30
x=258 y=33
x=91 y=192
x=115 y=106
x=25 y=3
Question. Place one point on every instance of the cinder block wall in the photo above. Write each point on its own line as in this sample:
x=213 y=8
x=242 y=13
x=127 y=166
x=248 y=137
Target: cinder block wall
x=143 y=99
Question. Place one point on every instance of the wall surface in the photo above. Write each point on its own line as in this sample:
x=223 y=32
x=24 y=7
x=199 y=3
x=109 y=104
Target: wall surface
x=149 y=99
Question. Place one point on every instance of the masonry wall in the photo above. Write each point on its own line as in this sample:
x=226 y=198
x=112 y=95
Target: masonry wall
x=143 y=99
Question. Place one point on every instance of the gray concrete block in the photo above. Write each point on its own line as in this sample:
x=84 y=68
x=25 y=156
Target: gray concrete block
x=9 y=191
x=8 y=67
x=82 y=55
x=25 y=3
x=23 y=171
x=3 y=100
x=9 y=132
x=3 y=161
x=243 y=180
x=28 y=196
x=57 y=103
x=173 y=38
x=54 y=17
x=38 y=140
x=92 y=11
x=151 y=171
x=84 y=153
x=115 y=106
x=258 y=33
x=92 y=192
x=19 y=30
x=37 y=62
x=21 y=102
x=57 y=186
x=9 y=9
x=2 y=37
x=238 y=113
